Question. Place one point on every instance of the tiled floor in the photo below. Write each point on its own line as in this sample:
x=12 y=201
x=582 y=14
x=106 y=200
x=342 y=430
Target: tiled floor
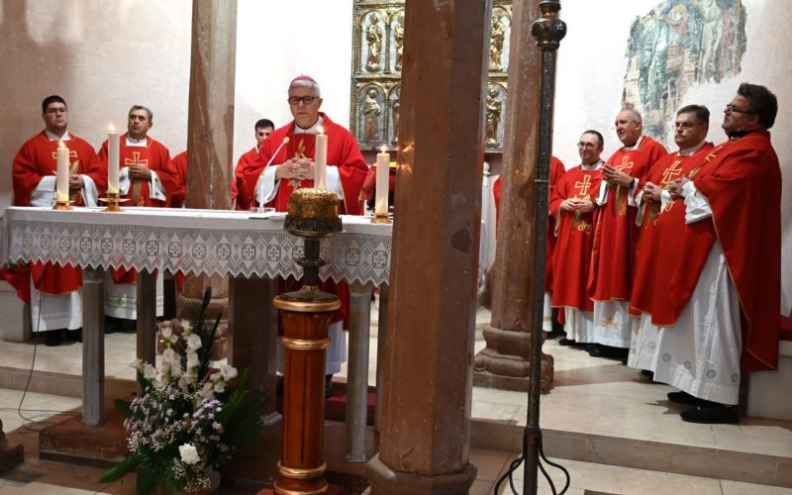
x=597 y=403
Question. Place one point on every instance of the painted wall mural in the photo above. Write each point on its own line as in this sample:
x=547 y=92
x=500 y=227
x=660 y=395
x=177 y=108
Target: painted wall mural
x=677 y=45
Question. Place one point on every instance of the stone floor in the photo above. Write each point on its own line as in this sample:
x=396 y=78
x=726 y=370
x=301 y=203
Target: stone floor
x=602 y=421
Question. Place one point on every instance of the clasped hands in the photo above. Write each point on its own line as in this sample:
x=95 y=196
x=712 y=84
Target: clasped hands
x=76 y=182
x=139 y=171
x=579 y=205
x=299 y=167
x=616 y=177
x=675 y=187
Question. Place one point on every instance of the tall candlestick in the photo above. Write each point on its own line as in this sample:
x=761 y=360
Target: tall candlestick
x=381 y=198
x=320 y=160
x=113 y=151
x=62 y=173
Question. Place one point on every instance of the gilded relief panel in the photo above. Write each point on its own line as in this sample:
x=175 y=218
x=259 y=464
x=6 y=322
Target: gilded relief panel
x=378 y=48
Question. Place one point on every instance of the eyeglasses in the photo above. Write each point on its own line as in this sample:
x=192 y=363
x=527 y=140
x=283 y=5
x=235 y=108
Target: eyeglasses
x=683 y=125
x=586 y=145
x=305 y=100
x=56 y=110
x=732 y=109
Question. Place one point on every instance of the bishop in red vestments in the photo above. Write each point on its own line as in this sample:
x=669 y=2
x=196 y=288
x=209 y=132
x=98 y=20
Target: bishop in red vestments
x=572 y=204
x=615 y=234
x=658 y=242
x=286 y=162
x=56 y=303
x=726 y=291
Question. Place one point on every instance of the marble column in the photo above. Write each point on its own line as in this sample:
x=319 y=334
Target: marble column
x=210 y=127
x=505 y=362
x=425 y=430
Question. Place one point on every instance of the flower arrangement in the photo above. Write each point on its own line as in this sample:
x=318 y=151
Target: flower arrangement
x=189 y=420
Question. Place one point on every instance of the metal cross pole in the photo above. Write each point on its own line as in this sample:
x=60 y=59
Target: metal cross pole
x=548 y=30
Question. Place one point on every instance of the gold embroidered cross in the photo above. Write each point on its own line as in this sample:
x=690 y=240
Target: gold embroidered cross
x=671 y=173
x=583 y=187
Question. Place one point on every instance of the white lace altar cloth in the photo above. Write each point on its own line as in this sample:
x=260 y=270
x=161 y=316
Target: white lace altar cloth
x=192 y=241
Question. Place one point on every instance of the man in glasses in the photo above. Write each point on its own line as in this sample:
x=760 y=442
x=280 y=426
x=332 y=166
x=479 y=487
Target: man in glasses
x=572 y=204
x=54 y=295
x=286 y=162
x=661 y=221
x=615 y=235
x=725 y=292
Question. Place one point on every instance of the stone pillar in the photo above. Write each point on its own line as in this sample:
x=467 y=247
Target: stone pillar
x=425 y=433
x=93 y=347
x=210 y=126
x=505 y=362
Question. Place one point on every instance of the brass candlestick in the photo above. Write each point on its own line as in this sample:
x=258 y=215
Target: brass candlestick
x=306 y=314
x=62 y=205
x=381 y=218
x=113 y=201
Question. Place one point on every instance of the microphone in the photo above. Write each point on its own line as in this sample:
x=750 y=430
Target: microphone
x=261 y=187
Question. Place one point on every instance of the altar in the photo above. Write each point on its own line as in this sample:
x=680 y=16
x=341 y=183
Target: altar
x=251 y=248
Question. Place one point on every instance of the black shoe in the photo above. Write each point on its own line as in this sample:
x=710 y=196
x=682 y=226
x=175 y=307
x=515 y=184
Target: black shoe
x=650 y=375
x=566 y=341
x=74 y=335
x=328 y=386
x=712 y=414
x=685 y=398
x=605 y=351
x=53 y=338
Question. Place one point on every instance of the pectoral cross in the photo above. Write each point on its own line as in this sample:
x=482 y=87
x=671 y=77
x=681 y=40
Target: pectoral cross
x=671 y=173
x=137 y=184
x=584 y=186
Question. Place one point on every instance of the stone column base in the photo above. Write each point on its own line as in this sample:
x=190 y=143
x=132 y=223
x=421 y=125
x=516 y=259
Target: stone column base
x=504 y=363
x=385 y=481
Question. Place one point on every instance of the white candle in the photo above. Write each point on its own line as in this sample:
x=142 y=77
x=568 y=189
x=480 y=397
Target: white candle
x=62 y=172
x=381 y=197
x=113 y=151
x=320 y=160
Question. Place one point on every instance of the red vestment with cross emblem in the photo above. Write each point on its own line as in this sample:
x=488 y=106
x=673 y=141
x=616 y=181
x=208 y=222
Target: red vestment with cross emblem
x=35 y=160
x=572 y=253
x=648 y=265
x=615 y=233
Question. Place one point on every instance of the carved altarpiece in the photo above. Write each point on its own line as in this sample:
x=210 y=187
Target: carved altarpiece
x=377 y=49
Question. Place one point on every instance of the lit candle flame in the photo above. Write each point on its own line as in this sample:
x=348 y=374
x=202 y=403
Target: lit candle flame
x=320 y=129
x=384 y=149
x=111 y=128
x=60 y=144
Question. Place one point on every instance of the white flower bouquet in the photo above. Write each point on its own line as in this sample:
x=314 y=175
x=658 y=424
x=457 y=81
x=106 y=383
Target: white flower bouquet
x=189 y=419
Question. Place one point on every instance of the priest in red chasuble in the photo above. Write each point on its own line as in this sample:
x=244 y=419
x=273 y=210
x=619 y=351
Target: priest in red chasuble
x=572 y=204
x=286 y=161
x=263 y=128
x=725 y=292
x=615 y=235
x=176 y=199
x=146 y=178
x=661 y=221
x=52 y=291
x=557 y=170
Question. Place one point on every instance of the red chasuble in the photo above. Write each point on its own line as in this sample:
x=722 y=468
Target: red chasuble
x=742 y=185
x=572 y=254
x=36 y=159
x=647 y=265
x=615 y=233
x=557 y=170
x=156 y=157
x=245 y=162
x=342 y=152
x=179 y=162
